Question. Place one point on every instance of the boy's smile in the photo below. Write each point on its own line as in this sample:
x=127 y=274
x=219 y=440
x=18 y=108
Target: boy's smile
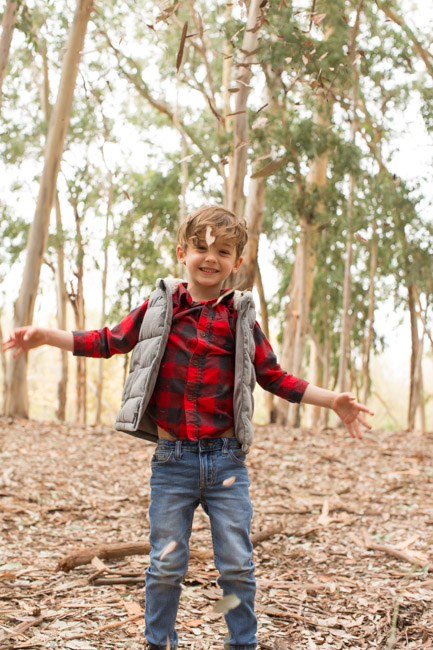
x=208 y=265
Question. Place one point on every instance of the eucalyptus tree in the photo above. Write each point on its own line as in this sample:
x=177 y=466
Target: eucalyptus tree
x=17 y=397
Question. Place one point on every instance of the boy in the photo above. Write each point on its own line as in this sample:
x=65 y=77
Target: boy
x=197 y=353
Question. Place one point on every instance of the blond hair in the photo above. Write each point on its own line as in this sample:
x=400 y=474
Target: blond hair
x=222 y=222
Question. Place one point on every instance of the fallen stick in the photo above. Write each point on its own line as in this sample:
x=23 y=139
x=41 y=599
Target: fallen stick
x=116 y=551
x=20 y=629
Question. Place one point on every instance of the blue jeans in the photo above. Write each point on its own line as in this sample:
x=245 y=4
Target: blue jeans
x=184 y=475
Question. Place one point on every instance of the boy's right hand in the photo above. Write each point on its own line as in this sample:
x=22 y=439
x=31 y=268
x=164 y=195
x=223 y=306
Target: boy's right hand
x=25 y=338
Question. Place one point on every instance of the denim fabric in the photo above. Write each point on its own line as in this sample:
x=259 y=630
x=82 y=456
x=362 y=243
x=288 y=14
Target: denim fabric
x=184 y=475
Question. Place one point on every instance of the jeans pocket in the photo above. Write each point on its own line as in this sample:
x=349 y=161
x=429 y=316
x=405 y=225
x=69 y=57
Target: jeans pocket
x=237 y=456
x=162 y=456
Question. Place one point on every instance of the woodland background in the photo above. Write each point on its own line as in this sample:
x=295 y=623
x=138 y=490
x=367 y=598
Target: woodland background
x=119 y=118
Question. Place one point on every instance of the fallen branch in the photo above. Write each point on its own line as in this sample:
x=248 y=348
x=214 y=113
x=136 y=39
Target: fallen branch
x=116 y=551
x=21 y=628
x=405 y=556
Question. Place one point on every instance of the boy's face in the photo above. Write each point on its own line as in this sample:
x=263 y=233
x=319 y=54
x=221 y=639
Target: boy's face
x=208 y=265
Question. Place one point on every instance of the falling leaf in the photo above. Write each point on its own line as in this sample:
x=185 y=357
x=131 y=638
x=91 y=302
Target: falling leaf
x=209 y=237
x=260 y=123
x=360 y=238
x=323 y=56
x=288 y=59
x=181 y=46
x=160 y=236
x=269 y=169
x=188 y=157
x=126 y=194
x=233 y=90
x=229 y=481
x=319 y=18
x=226 y=604
x=305 y=59
x=168 y=549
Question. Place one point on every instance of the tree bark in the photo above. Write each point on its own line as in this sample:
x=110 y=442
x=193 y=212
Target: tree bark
x=264 y=322
x=17 y=402
x=77 y=300
x=347 y=285
x=238 y=166
x=371 y=305
x=100 y=380
x=8 y=25
x=414 y=389
x=255 y=208
x=62 y=301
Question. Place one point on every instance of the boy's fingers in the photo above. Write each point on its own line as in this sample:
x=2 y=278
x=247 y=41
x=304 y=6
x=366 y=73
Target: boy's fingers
x=364 y=422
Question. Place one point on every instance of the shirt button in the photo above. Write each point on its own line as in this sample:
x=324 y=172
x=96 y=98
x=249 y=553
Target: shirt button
x=189 y=398
x=203 y=334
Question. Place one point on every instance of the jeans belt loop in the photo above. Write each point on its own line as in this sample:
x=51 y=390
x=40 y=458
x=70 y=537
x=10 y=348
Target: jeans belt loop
x=178 y=450
x=225 y=449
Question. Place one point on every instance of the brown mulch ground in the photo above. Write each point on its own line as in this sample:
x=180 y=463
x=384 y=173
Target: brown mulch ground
x=350 y=569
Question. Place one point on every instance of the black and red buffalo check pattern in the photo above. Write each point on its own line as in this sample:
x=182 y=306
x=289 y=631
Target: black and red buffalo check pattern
x=193 y=396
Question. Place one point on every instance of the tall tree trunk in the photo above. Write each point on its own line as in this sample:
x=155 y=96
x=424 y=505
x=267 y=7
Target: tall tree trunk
x=101 y=364
x=345 y=316
x=17 y=402
x=420 y=378
x=238 y=168
x=414 y=389
x=4 y=368
x=347 y=285
x=8 y=25
x=62 y=301
x=77 y=301
x=255 y=208
x=264 y=321
x=371 y=305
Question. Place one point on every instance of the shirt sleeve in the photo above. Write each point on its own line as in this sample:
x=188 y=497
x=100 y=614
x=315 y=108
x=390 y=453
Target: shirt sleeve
x=105 y=342
x=269 y=373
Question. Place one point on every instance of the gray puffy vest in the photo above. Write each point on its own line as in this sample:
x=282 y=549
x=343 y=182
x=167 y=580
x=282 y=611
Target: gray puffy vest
x=148 y=353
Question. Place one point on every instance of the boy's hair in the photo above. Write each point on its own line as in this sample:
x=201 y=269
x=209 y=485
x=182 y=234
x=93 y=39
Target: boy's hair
x=222 y=222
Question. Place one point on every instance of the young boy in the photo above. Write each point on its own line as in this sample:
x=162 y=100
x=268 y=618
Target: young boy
x=197 y=353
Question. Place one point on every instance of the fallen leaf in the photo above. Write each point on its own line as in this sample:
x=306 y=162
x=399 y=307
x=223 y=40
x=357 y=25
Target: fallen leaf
x=168 y=549
x=226 y=604
x=133 y=608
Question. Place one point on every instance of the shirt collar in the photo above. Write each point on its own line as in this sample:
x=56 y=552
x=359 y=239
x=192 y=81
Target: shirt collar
x=185 y=298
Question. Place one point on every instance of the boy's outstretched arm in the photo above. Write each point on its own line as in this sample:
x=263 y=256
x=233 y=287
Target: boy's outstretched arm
x=26 y=338
x=344 y=405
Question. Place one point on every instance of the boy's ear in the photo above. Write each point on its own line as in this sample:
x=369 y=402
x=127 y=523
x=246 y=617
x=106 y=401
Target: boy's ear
x=180 y=254
x=237 y=265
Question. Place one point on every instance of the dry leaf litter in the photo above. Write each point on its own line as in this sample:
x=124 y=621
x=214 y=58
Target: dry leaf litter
x=351 y=567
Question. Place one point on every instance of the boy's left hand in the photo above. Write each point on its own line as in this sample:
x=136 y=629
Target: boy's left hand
x=349 y=411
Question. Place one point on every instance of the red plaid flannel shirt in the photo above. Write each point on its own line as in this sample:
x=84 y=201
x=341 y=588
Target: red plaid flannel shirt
x=193 y=396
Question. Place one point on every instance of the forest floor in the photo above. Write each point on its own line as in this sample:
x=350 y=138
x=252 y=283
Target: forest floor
x=349 y=569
